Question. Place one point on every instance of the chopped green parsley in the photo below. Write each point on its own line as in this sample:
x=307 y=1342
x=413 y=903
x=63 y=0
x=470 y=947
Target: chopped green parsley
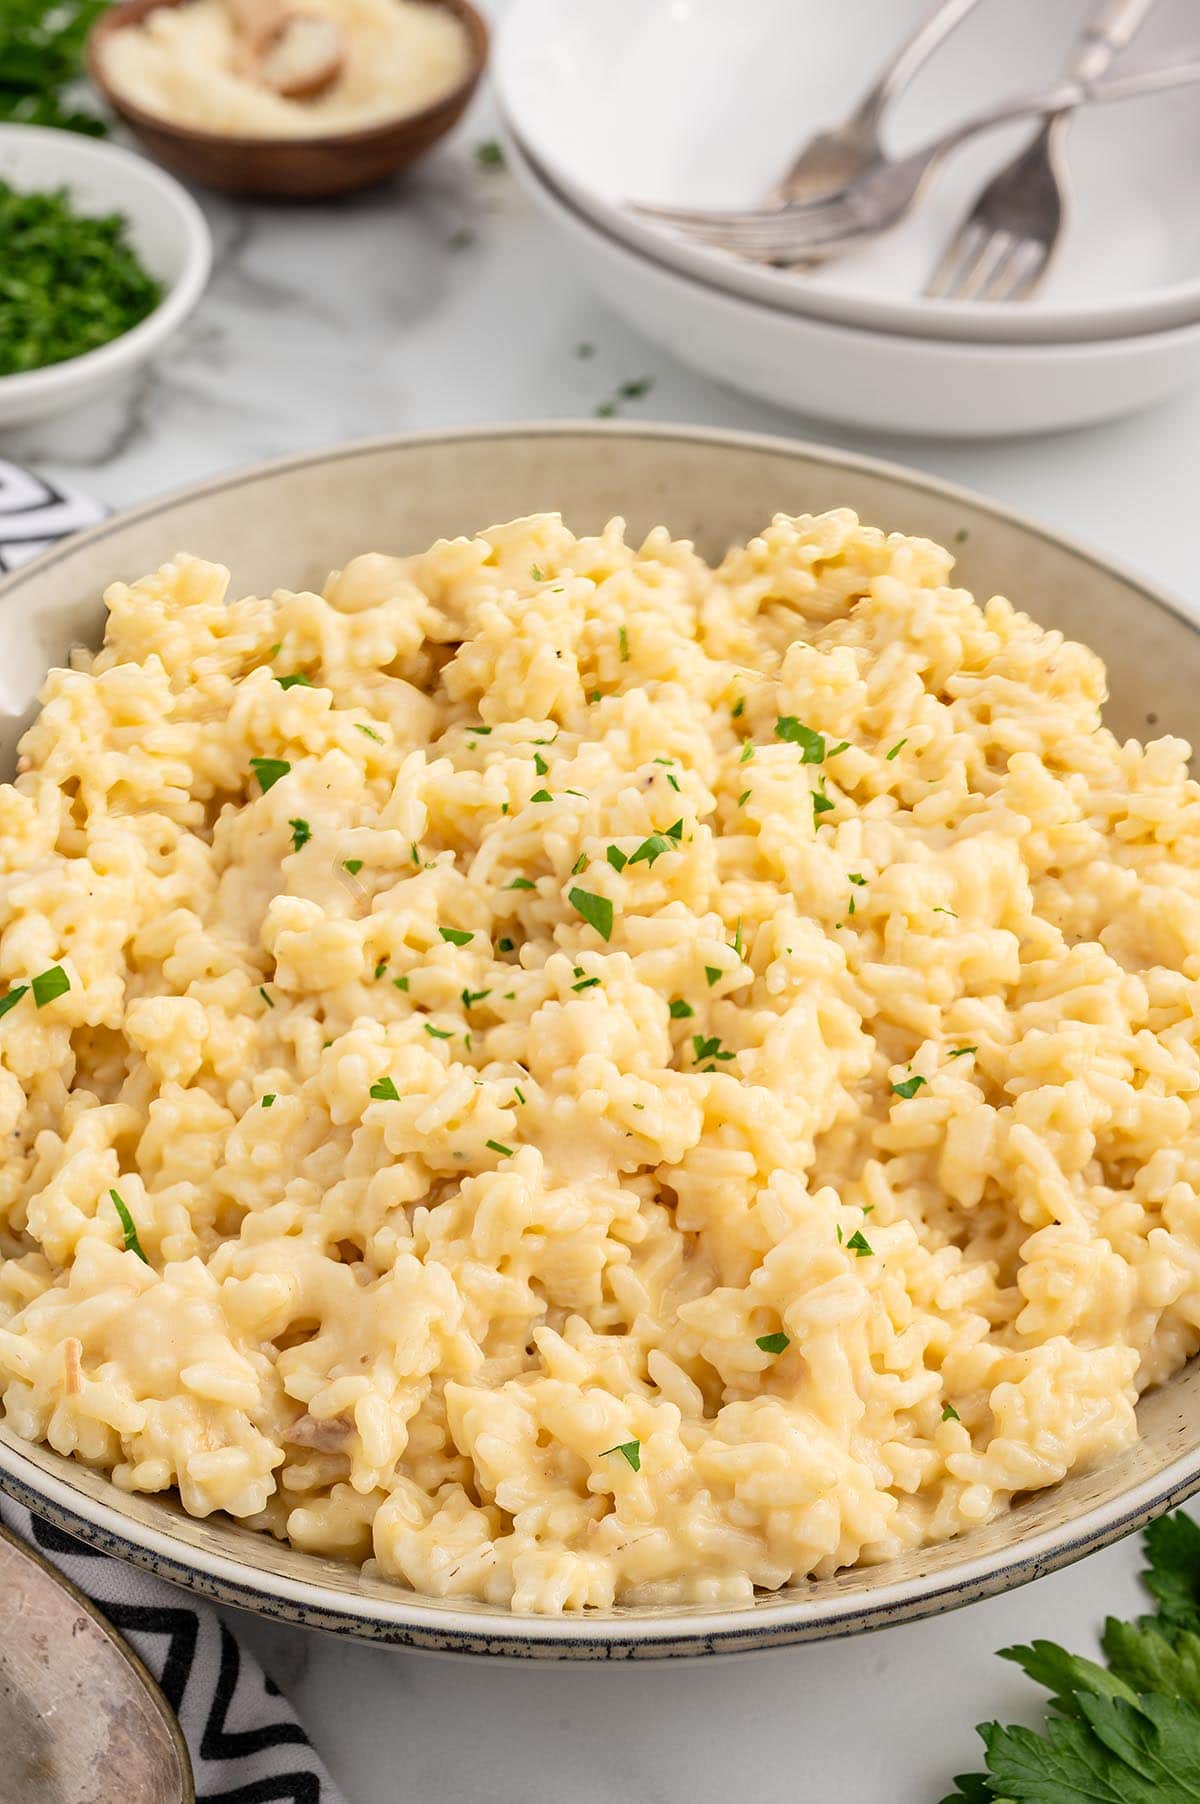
x=597 y=911
x=773 y=1343
x=49 y=984
x=579 y=864
x=949 y=1413
x=632 y=1450
x=960 y=1052
x=437 y=1033
x=616 y=858
x=712 y=972
x=268 y=1100
x=521 y=883
x=297 y=680
x=384 y=1091
x=399 y=983
x=650 y=849
x=471 y=997
x=811 y=743
x=301 y=834
x=268 y=771
x=12 y=998
x=456 y=936
x=369 y=732
x=536 y=573
x=708 y=1048
x=498 y=1146
x=541 y=795
x=681 y=1011
x=623 y=643
x=132 y=1243
x=859 y=1245
x=738 y=708
x=262 y=990
x=896 y=749
x=353 y=865
x=909 y=1087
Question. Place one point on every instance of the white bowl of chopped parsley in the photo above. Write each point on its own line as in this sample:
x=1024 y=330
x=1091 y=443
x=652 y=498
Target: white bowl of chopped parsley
x=102 y=257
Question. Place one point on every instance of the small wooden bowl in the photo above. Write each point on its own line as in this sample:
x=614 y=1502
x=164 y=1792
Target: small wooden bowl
x=292 y=168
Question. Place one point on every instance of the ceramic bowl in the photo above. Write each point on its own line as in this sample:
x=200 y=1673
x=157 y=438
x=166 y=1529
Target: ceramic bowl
x=288 y=168
x=166 y=229
x=875 y=380
x=715 y=100
x=290 y=522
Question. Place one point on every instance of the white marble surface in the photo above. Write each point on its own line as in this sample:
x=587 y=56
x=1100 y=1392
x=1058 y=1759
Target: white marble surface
x=376 y=315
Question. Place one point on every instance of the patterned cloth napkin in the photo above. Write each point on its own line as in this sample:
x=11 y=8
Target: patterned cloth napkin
x=245 y=1742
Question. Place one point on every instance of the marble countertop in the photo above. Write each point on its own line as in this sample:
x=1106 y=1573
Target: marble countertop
x=444 y=301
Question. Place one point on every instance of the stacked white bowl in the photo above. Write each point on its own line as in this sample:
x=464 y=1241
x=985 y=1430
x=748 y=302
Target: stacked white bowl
x=706 y=103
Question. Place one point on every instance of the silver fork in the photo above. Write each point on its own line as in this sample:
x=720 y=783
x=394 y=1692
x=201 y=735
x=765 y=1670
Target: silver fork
x=885 y=193
x=832 y=160
x=1004 y=244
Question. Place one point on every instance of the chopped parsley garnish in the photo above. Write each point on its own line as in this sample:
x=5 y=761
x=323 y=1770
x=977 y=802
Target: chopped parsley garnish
x=399 y=983
x=909 y=1087
x=835 y=751
x=301 y=833
x=437 y=1033
x=380 y=968
x=49 y=984
x=132 y=1243
x=586 y=983
x=297 y=680
x=650 y=849
x=539 y=764
x=636 y=390
x=859 y=1245
x=812 y=744
x=536 y=573
x=747 y=753
x=541 y=795
x=945 y=911
x=504 y=946
x=821 y=803
x=353 y=865
x=632 y=1451
x=268 y=771
x=521 y=883
x=498 y=1146
x=471 y=997
x=738 y=708
x=579 y=864
x=675 y=831
x=736 y=942
x=384 y=1091
x=743 y=798
x=949 y=1413
x=856 y=877
x=268 y=1100
x=456 y=936
x=896 y=749
x=623 y=643
x=518 y=1093
x=960 y=1052
x=681 y=1010
x=489 y=154
x=773 y=1343
x=708 y=1048
x=275 y=649
x=12 y=998
x=414 y=854
x=262 y=990
x=584 y=349
x=712 y=972
x=961 y=536
x=616 y=858
x=673 y=780
x=370 y=732
x=597 y=911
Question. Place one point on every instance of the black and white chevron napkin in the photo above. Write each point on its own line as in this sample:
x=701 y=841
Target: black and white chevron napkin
x=245 y=1742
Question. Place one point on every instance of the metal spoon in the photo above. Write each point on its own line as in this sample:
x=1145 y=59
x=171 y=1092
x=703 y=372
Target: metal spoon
x=81 y=1720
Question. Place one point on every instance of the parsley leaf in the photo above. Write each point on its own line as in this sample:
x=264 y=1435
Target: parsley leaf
x=681 y=1011
x=297 y=680
x=12 y=998
x=541 y=795
x=301 y=834
x=437 y=1033
x=597 y=911
x=675 y=830
x=262 y=990
x=896 y=750
x=471 y=997
x=456 y=936
x=268 y=1100
x=650 y=849
x=812 y=744
x=960 y=1052
x=712 y=972
x=949 y=1413
x=49 y=984
x=773 y=1343
x=632 y=1451
x=623 y=642
x=856 y=877
x=536 y=573
x=521 y=883
x=132 y=1243
x=539 y=764
x=616 y=858
x=821 y=803
x=909 y=1087
x=708 y=1048
x=369 y=732
x=384 y=1091
x=498 y=1146
x=859 y=1245
x=268 y=771
x=353 y=865
x=489 y=154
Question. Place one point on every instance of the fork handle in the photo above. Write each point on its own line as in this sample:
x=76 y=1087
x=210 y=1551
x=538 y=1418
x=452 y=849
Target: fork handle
x=1064 y=96
x=1105 y=35
x=915 y=50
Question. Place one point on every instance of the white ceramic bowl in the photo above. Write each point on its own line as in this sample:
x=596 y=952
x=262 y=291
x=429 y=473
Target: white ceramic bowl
x=713 y=100
x=166 y=229
x=880 y=381
x=290 y=522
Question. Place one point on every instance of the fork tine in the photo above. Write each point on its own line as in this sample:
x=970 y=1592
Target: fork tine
x=1005 y=270
x=777 y=240
x=959 y=256
x=1031 y=274
x=974 y=284
x=692 y=218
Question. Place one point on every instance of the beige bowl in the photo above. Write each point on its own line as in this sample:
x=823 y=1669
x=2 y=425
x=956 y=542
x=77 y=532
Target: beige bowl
x=290 y=522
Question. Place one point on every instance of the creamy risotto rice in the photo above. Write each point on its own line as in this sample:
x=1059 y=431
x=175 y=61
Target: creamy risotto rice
x=583 y=1078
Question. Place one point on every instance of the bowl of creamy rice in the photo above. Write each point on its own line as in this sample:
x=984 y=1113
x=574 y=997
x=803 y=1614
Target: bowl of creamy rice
x=180 y=75
x=598 y=1036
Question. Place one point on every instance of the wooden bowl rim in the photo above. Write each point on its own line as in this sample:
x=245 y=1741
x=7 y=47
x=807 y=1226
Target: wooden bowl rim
x=132 y=12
